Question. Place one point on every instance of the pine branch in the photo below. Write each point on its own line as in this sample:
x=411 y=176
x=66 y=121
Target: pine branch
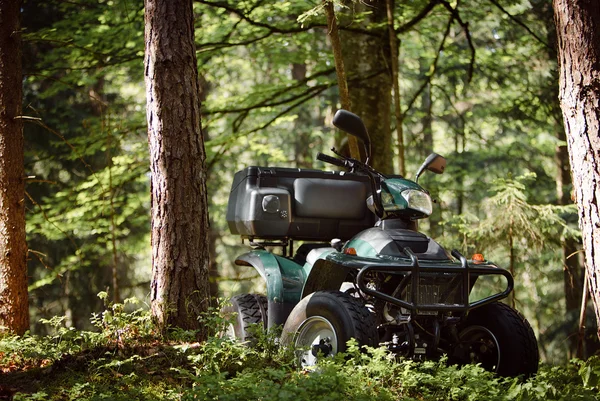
x=211 y=46
x=270 y=101
x=417 y=18
x=77 y=249
x=465 y=27
x=522 y=24
x=274 y=28
x=39 y=122
x=432 y=68
x=460 y=115
x=230 y=140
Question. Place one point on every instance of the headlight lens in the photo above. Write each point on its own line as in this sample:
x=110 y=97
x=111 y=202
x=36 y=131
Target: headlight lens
x=388 y=203
x=418 y=200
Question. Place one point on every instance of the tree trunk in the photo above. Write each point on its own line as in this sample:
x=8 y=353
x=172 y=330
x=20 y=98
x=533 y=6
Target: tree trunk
x=459 y=147
x=367 y=59
x=573 y=273
x=572 y=269
x=426 y=140
x=426 y=144
x=394 y=50
x=303 y=126
x=340 y=70
x=213 y=268
x=578 y=32
x=14 y=303
x=180 y=254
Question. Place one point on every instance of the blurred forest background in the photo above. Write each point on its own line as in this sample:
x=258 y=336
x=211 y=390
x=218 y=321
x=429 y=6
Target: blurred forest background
x=478 y=84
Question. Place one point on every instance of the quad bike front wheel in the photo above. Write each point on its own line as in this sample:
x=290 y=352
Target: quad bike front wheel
x=322 y=323
x=500 y=339
x=249 y=310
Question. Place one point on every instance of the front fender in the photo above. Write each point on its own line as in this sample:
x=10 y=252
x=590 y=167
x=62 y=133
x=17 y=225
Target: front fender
x=324 y=276
x=284 y=279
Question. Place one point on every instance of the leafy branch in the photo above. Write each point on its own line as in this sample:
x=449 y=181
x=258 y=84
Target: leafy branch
x=227 y=142
x=38 y=121
x=47 y=218
x=271 y=100
x=417 y=18
x=432 y=68
x=278 y=29
x=465 y=27
x=522 y=24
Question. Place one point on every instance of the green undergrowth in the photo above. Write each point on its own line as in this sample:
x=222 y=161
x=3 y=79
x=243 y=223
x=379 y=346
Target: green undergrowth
x=126 y=359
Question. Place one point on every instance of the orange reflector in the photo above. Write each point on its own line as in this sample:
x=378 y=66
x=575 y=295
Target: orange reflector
x=350 y=251
x=478 y=258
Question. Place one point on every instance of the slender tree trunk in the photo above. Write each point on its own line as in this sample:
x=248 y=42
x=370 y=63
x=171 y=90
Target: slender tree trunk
x=99 y=106
x=213 y=270
x=367 y=59
x=113 y=227
x=394 y=49
x=180 y=251
x=14 y=303
x=340 y=70
x=302 y=125
x=459 y=147
x=578 y=32
x=426 y=142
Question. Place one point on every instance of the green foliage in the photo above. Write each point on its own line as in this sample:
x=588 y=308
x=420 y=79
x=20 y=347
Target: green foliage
x=269 y=89
x=526 y=238
x=79 y=365
x=120 y=325
x=221 y=354
x=509 y=214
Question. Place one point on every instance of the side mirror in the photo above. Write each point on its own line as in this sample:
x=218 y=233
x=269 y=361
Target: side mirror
x=353 y=125
x=434 y=163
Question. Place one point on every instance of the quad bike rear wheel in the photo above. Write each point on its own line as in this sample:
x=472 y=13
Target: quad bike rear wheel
x=322 y=323
x=500 y=339
x=250 y=310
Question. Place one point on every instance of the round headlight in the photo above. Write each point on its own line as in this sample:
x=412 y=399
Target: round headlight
x=418 y=201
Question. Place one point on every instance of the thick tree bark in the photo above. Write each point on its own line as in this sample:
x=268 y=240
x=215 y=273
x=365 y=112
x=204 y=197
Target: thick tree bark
x=368 y=59
x=180 y=252
x=572 y=269
x=573 y=273
x=578 y=31
x=14 y=304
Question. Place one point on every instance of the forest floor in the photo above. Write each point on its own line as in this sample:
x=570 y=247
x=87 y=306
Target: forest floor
x=126 y=360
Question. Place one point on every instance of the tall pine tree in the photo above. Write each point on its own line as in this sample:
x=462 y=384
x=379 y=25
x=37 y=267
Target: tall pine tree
x=578 y=30
x=14 y=305
x=177 y=160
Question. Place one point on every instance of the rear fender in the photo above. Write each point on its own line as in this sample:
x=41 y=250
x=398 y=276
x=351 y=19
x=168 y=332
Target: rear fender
x=284 y=278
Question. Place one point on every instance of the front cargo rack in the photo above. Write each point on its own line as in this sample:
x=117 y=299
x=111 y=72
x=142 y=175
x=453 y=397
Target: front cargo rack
x=463 y=275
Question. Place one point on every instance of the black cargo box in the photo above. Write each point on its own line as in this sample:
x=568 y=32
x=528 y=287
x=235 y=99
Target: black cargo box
x=301 y=204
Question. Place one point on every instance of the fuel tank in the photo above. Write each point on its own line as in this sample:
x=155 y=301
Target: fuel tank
x=391 y=242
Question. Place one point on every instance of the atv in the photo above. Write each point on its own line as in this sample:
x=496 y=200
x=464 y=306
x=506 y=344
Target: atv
x=364 y=271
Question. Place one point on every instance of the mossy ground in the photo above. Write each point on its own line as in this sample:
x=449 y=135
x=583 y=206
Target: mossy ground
x=126 y=360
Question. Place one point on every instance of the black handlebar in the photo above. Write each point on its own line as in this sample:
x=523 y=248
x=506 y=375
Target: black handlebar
x=331 y=160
